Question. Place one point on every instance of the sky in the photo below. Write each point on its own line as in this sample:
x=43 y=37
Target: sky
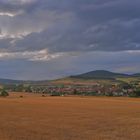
x=48 y=39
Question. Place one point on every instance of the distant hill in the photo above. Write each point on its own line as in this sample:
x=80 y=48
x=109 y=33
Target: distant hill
x=10 y=81
x=136 y=75
x=100 y=74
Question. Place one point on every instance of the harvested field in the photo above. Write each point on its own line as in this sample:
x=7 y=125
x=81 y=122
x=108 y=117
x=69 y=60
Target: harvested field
x=33 y=117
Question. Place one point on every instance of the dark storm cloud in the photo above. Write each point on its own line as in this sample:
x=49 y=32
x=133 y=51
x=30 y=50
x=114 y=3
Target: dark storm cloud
x=78 y=25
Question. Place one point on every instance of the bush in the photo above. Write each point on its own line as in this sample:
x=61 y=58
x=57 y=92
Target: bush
x=56 y=94
x=43 y=96
x=89 y=94
x=21 y=96
x=137 y=93
x=4 y=93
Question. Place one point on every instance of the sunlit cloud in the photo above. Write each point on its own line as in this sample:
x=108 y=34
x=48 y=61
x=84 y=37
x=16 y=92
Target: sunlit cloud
x=42 y=55
x=7 y=14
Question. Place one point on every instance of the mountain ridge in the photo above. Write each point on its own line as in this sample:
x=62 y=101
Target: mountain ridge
x=103 y=74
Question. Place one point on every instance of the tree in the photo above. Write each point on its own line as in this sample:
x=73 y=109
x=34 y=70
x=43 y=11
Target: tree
x=19 y=87
x=75 y=92
x=28 y=89
x=137 y=93
x=4 y=93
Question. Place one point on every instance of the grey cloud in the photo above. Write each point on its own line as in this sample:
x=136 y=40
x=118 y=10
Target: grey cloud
x=79 y=25
x=110 y=36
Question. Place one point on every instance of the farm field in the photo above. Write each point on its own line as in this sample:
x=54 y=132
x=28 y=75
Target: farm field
x=69 y=118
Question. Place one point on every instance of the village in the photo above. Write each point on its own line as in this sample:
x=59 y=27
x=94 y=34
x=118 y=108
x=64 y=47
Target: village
x=96 y=89
x=85 y=90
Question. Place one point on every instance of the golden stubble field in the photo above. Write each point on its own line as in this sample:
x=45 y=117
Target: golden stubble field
x=69 y=118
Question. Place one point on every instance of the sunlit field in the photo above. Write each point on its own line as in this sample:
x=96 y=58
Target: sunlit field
x=33 y=117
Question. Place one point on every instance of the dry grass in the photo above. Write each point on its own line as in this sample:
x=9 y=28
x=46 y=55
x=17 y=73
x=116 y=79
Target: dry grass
x=69 y=118
x=75 y=81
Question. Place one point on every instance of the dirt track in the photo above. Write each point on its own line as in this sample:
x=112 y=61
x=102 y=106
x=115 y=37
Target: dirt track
x=69 y=118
